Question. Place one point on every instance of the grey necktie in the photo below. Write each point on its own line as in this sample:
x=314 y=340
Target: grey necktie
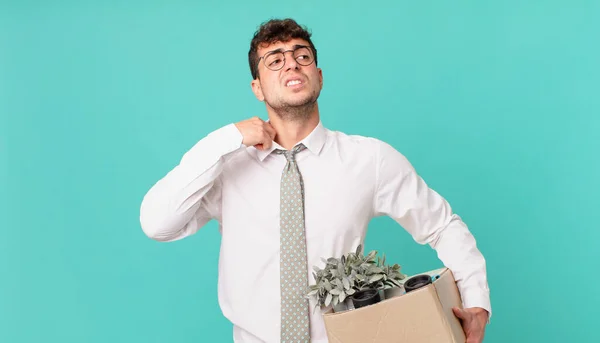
x=292 y=263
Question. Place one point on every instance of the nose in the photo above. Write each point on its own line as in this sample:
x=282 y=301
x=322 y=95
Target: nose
x=290 y=61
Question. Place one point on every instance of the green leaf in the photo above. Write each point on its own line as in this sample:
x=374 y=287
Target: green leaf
x=371 y=254
x=313 y=292
x=351 y=291
x=346 y=283
x=359 y=249
x=336 y=291
x=327 y=285
x=328 y=299
x=375 y=270
x=342 y=297
x=342 y=273
x=376 y=277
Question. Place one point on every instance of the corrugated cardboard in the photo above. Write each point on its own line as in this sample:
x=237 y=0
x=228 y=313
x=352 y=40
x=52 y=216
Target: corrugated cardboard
x=421 y=316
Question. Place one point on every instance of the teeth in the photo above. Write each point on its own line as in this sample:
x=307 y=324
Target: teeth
x=294 y=82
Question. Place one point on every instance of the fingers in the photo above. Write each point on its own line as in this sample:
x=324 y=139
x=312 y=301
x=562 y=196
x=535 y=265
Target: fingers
x=473 y=331
x=266 y=137
x=474 y=339
x=269 y=128
x=267 y=134
x=462 y=314
x=257 y=132
x=267 y=142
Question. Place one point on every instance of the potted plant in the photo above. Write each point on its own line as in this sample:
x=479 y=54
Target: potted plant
x=353 y=281
x=369 y=278
x=333 y=284
x=391 y=280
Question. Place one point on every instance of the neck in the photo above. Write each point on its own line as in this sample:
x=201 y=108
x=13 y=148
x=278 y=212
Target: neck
x=291 y=127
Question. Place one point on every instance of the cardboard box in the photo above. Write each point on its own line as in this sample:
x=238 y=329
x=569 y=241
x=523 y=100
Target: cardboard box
x=421 y=316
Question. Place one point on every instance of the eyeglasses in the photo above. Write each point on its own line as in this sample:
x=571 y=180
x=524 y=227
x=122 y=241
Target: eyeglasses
x=275 y=60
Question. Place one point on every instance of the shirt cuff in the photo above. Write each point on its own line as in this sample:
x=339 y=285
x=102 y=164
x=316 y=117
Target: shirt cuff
x=478 y=298
x=230 y=136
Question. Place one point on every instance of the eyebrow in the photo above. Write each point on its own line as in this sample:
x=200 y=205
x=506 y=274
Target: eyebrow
x=281 y=49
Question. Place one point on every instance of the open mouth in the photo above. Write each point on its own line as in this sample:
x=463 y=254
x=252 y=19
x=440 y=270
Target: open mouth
x=292 y=83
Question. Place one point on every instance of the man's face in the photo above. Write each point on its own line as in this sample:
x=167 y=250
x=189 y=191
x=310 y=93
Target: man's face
x=294 y=85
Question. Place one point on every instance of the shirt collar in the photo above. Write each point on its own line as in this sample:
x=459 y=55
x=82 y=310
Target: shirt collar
x=314 y=142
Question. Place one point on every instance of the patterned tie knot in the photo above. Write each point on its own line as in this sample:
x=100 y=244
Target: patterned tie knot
x=290 y=155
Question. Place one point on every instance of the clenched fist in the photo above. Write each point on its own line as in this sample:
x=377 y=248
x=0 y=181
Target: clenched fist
x=257 y=133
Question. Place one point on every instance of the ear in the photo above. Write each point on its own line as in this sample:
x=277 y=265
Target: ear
x=257 y=89
x=320 y=77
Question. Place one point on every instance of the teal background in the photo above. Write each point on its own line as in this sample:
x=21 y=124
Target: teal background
x=496 y=104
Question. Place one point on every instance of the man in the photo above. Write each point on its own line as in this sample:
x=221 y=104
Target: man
x=288 y=191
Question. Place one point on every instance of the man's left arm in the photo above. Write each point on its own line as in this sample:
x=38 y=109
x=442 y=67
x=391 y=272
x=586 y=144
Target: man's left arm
x=404 y=196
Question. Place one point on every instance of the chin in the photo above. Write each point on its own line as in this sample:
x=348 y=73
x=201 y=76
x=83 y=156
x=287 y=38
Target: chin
x=300 y=99
x=293 y=101
x=298 y=102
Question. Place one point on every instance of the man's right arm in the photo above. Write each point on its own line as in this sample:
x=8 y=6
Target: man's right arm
x=189 y=195
x=185 y=199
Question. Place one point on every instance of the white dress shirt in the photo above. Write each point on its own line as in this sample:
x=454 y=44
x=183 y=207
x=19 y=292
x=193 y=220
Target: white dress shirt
x=348 y=181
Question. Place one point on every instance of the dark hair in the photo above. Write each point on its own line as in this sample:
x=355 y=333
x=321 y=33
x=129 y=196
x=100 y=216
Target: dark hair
x=276 y=30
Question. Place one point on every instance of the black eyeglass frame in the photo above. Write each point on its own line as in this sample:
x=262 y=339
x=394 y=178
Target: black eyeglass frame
x=296 y=47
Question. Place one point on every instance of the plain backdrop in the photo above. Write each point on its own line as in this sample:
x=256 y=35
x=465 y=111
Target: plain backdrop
x=496 y=104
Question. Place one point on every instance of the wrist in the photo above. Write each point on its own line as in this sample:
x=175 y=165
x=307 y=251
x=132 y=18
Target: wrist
x=481 y=313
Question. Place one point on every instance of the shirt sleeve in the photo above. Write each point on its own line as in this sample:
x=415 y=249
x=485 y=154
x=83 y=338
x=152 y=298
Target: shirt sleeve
x=404 y=196
x=189 y=195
